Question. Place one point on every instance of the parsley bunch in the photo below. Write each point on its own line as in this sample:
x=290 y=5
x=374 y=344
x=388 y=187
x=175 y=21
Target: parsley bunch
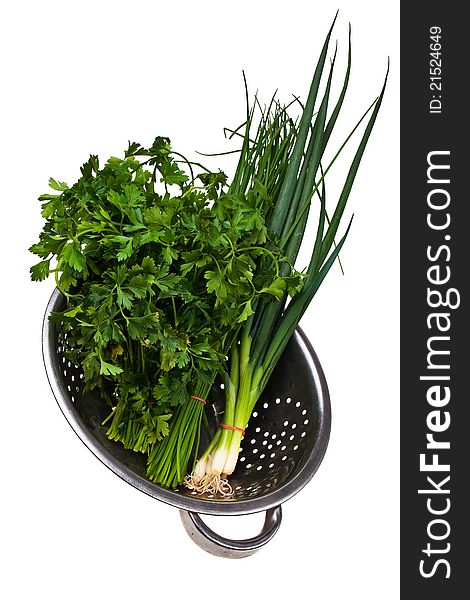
x=158 y=267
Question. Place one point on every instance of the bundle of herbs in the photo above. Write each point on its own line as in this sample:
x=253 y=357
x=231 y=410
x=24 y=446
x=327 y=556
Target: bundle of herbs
x=264 y=335
x=157 y=285
x=173 y=276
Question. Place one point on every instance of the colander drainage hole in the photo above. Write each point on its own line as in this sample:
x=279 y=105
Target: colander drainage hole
x=255 y=450
x=288 y=400
x=278 y=401
x=259 y=467
x=304 y=412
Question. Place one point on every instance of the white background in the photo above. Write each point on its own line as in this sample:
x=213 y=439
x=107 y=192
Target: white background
x=85 y=77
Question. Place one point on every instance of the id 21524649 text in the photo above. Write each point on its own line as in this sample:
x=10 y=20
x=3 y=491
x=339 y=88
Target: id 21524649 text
x=435 y=70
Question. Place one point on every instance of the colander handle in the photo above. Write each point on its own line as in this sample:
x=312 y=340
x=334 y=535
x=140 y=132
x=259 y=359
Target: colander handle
x=218 y=545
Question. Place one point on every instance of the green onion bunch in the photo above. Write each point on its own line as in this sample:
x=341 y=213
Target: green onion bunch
x=264 y=335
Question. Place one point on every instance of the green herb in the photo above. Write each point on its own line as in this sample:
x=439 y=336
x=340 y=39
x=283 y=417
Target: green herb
x=265 y=334
x=169 y=269
x=158 y=268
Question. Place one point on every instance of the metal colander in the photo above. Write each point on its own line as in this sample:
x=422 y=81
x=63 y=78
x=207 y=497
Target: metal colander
x=283 y=445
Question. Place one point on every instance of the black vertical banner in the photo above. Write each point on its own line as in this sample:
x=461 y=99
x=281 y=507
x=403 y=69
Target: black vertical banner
x=435 y=269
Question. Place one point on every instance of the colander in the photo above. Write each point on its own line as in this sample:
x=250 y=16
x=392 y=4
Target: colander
x=282 y=448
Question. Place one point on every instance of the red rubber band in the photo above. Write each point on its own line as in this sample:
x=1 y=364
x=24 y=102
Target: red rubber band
x=200 y=399
x=232 y=428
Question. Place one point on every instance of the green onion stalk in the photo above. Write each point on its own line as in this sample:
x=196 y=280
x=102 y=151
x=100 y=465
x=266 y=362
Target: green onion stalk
x=264 y=336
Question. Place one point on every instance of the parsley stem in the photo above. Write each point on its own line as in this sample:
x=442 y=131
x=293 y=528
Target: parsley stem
x=175 y=315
